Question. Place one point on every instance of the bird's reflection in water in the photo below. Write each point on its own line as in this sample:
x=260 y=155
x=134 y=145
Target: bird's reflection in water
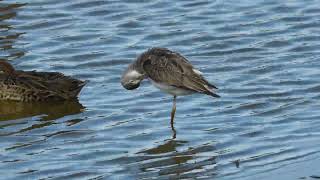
x=168 y=146
x=10 y=110
x=173 y=159
x=174 y=132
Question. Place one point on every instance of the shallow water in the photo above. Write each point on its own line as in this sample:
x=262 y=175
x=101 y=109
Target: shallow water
x=263 y=56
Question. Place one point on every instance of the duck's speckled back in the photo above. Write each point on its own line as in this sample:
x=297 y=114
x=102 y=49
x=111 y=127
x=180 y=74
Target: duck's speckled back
x=38 y=86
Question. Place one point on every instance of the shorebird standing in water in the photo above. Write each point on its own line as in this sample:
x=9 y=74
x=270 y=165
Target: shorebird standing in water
x=170 y=72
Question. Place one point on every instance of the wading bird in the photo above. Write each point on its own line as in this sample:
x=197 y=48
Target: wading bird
x=170 y=72
x=30 y=86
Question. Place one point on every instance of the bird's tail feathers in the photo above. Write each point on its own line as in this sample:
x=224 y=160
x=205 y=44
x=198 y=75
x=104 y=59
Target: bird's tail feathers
x=212 y=94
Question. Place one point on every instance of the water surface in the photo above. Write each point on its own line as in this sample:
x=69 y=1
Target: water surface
x=263 y=56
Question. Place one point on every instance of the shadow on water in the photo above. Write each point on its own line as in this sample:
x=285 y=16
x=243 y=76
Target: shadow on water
x=171 y=160
x=10 y=110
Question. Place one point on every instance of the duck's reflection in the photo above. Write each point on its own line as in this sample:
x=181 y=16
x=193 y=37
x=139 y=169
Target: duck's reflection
x=10 y=110
x=173 y=160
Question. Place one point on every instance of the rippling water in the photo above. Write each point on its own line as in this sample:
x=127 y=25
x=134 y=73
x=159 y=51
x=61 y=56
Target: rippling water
x=263 y=56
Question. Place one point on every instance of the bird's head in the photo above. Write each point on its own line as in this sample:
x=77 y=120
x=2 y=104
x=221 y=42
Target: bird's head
x=6 y=67
x=131 y=78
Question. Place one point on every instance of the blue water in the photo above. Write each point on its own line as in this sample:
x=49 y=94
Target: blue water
x=263 y=56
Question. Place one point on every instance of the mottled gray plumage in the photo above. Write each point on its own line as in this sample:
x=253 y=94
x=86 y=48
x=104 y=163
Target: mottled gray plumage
x=164 y=66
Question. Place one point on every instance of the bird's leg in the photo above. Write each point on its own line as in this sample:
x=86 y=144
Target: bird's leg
x=173 y=112
x=172 y=117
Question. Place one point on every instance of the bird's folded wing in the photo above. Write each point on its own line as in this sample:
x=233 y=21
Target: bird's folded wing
x=176 y=71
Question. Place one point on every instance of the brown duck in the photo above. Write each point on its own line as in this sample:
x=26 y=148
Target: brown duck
x=28 y=86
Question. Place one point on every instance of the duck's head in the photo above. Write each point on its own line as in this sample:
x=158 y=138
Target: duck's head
x=6 y=67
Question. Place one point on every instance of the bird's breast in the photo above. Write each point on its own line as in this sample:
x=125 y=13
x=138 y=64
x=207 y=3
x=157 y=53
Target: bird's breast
x=171 y=89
